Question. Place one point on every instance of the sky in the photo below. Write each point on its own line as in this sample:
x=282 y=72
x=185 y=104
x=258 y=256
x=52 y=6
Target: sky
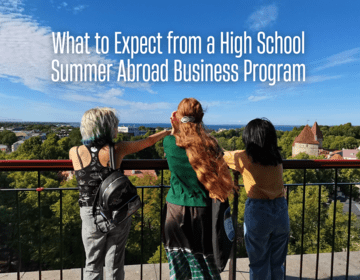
x=328 y=92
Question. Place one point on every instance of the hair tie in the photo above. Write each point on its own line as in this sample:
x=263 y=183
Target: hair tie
x=186 y=119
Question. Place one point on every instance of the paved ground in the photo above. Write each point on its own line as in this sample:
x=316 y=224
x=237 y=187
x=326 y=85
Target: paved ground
x=151 y=272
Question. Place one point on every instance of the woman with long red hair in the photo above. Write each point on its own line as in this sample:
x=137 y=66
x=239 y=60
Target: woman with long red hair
x=198 y=174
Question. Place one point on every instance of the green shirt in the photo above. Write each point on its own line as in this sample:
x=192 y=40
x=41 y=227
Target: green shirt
x=185 y=190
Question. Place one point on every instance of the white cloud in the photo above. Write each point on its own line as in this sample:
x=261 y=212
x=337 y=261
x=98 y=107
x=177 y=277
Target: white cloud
x=109 y=98
x=253 y=98
x=321 y=78
x=26 y=49
x=264 y=91
x=111 y=94
x=11 y=6
x=79 y=8
x=339 y=59
x=263 y=17
x=62 y=5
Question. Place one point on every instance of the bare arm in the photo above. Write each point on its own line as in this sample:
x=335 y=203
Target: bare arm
x=130 y=147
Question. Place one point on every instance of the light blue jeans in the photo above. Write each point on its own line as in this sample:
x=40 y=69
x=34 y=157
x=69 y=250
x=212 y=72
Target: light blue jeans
x=266 y=229
x=100 y=248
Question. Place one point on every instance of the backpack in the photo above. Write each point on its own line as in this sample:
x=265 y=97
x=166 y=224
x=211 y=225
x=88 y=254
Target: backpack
x=116 y=199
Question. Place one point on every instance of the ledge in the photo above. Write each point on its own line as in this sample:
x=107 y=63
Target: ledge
x=151 y=271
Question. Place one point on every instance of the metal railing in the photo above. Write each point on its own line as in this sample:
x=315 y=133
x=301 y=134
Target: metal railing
x=61 y=165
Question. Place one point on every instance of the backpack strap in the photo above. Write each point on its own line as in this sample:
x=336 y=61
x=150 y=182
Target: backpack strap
x=95 y=202
x=112 y=156
x=77 y=152
x=113 y=167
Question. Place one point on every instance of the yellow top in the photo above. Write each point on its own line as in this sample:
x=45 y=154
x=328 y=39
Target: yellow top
x=261 y=182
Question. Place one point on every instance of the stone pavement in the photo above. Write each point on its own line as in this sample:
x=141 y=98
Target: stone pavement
x=151 y=271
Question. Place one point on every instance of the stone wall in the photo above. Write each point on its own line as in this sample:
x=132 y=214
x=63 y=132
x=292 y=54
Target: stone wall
x=310 y=149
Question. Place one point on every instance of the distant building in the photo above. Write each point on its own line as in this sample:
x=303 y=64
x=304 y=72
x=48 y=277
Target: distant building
x=350 y=153
x=336 y=156
x=310 y=142
x=141 y=173
x=62 y=133
x=4 y=148
x=306 y=143
x=15 y=129
x=41 y=135
x=131 y=130
x=317 y=134
x=22 y=135
x=16 y=145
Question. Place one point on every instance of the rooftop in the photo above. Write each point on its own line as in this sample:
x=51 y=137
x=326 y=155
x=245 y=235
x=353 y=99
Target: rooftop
x=316 y=131
x=306 y=137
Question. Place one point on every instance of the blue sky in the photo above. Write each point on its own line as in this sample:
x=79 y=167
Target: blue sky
x=330 y=94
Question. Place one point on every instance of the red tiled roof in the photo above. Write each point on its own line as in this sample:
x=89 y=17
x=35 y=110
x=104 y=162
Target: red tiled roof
x=306 y=137
x=323 y=152
x=140 y=173
x=316 y=131
x=336 y=156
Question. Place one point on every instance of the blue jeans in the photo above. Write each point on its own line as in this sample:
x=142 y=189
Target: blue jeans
x=100 y=248
x=266 y=229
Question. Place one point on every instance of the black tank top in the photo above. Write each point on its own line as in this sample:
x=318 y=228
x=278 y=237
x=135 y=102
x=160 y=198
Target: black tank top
x=89 y=177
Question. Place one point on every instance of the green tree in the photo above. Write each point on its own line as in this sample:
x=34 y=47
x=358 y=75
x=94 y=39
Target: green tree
x=7 y=137
x=75 y=137
x=30 y=149
x=311 y=223
x=50 y=148
x=152 y=209
x=36 y=219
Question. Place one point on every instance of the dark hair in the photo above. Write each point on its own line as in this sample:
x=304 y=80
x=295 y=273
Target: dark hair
x=260 y=141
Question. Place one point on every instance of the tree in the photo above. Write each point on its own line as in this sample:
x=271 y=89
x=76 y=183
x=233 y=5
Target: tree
x=50 y=148
x=73 y=254
x=75 y=137
x=8 y=137
x=30 y=149
x=152 y=209
x=31 y=223
x=311 y=223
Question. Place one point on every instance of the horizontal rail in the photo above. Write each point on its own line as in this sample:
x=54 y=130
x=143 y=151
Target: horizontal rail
x=128 y=164
x=156 y=187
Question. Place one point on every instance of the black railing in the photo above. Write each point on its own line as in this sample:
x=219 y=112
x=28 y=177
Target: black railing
x=60 y=165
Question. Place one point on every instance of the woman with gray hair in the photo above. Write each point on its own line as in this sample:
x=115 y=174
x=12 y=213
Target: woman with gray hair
x=91 y=160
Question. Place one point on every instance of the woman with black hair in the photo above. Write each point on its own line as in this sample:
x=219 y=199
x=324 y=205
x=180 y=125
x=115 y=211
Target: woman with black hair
x=266 y=218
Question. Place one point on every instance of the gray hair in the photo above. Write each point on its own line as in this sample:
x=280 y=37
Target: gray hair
x=99 y=122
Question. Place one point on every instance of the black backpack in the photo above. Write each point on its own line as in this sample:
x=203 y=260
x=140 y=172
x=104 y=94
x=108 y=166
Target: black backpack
x=116 y=198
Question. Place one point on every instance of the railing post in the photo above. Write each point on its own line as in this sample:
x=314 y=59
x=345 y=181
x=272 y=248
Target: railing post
x=142 y=233
x=61 y=237
x=161 y=216
x=19 y=242
x=318 y=237
x=232 y=265
x=333 y=237
x=40 y=239
x=349 y=228
x=303 y=225
x=287 y=203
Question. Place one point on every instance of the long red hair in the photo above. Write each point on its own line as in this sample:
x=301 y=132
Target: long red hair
x=203 y=151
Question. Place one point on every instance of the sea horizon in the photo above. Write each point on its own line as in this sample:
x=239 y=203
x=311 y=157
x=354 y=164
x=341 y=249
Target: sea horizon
x=164 y=125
